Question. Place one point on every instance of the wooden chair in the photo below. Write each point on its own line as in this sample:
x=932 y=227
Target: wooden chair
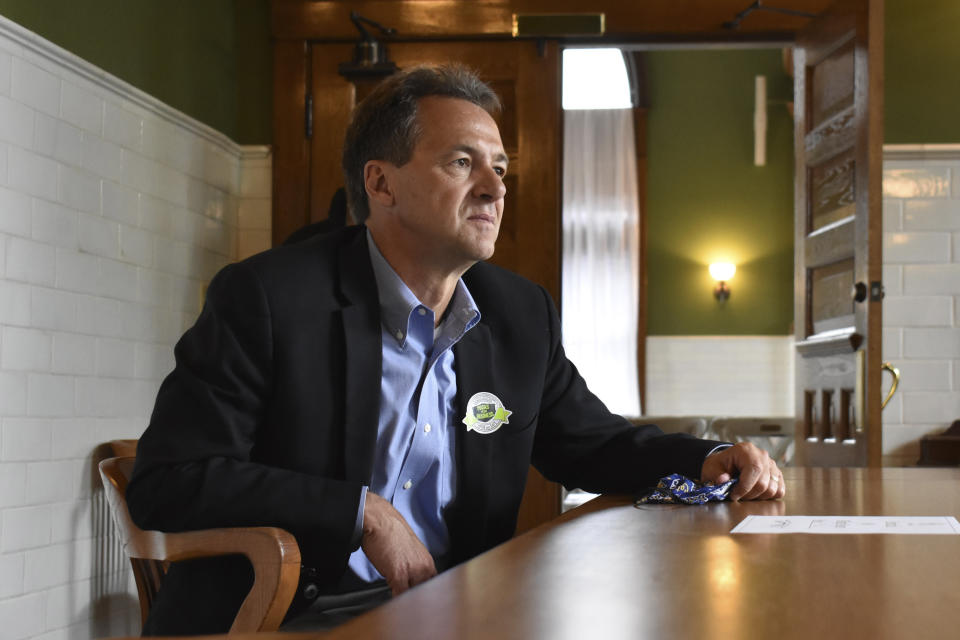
x=273 y=553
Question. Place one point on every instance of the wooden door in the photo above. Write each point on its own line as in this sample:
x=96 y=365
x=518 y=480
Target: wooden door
x=838 y=92
x=527 y=79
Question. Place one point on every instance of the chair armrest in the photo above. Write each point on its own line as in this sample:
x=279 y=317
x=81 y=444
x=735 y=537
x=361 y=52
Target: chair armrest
x=273 y=552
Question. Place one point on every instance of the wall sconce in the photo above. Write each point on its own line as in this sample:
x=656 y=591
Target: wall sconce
x=722 y=272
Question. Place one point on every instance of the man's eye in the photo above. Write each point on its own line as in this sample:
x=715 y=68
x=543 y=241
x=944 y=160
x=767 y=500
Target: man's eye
x=462 y=162
x=501 y=171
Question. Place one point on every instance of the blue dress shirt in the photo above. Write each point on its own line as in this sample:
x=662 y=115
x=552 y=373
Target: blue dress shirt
x=414 y=462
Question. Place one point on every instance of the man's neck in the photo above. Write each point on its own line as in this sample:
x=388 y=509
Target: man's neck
x=433 y=285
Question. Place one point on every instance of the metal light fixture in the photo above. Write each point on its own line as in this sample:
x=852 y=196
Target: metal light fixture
x=722 y=272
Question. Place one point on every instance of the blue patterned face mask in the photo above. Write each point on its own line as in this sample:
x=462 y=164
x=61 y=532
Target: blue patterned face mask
x=678 y=489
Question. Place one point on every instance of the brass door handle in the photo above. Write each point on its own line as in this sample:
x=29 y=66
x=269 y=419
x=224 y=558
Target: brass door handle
x=886 y=366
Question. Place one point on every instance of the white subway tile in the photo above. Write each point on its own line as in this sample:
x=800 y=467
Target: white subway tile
x=69 y=603
x=187 y=226
x=175 y=258
x=26 y=528
x=59 y=140
x=35 y=87
x=122 y=126
x=16 y=122
x=99 y=236
x=931 y=407
x=892 y=215
x=35 y=174
x=53 y=481
x=254 y=213
x=893 y=280
x=156 y=287
x=118 y=280
x=11 y=575
x=79 y=189
x=115 y=358
x=956 y=375
x=153 y=361
x=77 y=272
x=155 y=138
x=14 y=303
x=136 y=245
x=892 y=343
x=53 y=309
x=101 y=157
x=13 y=485
x=956 y=247
x=931 y=214
x=3 y=162
x=120 y=203
x=54 y=224
x=934 y=279
x=120 y=428
x=931 y=343
x=256 y=182
x=916 y=182
x=81 y=107
x=98 y=316
x=185 y=295
x=26 y=349
x=50 y=395
x=956 y=311
x=109 y=398
x=22 y=617
x=156 y=216
x=16 y=208
x=918 y=311
x=74 y=437
x=26 y=439
x=3 y=255
x=29 y=261
x=140 y=173
x=922 y=375
x=916 y=247
x=74 y=354
x=48 y=567
x=72 y=520
x=903 y=441
x=5 y=62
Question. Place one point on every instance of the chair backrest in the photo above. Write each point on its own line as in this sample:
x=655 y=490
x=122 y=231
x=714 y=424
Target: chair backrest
x=694 y=425
x=772 y=434
x=273 y=553
x=147 y=573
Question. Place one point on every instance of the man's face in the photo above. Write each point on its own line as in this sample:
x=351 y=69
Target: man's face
x=450 y=194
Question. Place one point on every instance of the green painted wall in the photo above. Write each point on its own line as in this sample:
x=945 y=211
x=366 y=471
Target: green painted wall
x=921 y=60
x=707 y=202
x=207 y=58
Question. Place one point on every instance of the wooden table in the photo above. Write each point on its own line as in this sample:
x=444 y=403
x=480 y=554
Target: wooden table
x=609 y=570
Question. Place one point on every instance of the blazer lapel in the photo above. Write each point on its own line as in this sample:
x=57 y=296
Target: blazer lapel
x=362 y=358
x=474 y=371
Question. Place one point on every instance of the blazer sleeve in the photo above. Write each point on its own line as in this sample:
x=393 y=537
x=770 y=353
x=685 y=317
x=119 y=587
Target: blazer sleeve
x=581 y=444
x=197 y=465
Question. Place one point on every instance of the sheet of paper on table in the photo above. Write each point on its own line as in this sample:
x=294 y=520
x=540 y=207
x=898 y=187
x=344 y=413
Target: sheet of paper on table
x=849 y=524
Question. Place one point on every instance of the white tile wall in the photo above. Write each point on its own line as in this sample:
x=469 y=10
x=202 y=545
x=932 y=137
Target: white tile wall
x=115 y=211
x=921 y=311
x=720 y=375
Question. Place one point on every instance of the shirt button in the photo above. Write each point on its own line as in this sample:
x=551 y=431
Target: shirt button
x=426 y=428
x=407 y=484
x=422 y=311
x=399 y=335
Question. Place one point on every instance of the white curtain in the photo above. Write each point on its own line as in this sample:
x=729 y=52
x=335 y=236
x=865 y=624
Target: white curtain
x=601 y=217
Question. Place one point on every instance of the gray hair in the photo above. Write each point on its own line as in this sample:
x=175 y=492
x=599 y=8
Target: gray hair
x=384 y=125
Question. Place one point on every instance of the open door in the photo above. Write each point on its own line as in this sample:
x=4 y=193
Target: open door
x=838 y=93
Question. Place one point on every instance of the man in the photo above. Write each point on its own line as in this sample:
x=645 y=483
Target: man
x=382 y=386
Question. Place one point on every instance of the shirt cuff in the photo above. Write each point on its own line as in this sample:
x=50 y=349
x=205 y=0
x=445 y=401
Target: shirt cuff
x=358 y=524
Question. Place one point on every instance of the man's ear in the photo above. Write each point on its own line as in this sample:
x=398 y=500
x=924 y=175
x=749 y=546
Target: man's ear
x=376 y=174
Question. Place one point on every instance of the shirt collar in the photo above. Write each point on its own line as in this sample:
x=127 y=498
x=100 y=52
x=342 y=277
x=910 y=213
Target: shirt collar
x=398 y=302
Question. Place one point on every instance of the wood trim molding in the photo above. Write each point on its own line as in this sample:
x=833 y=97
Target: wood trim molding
x=942 y=152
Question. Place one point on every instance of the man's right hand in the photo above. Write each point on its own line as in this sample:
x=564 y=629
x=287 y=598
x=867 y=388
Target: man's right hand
x=392 y=546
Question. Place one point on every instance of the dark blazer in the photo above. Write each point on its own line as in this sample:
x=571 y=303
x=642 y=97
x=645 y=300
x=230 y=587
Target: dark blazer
x=270 y=418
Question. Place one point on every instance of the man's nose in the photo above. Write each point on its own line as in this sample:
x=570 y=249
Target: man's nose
x=490 y=185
